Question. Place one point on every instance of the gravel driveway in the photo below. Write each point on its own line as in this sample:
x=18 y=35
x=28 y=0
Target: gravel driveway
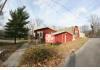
x=14 y=59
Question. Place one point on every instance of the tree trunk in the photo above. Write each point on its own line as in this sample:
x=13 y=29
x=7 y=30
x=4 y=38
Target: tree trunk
x=15 y=40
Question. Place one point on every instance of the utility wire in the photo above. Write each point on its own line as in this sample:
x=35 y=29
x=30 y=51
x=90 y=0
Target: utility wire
x=63 y=6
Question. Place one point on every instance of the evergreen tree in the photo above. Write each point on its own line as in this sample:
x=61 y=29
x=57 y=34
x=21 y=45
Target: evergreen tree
x=15 y=27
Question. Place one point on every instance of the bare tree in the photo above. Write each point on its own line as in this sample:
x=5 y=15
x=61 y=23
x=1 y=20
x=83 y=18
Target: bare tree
x=39 y=22
x=95 y=24
x=1 y=13
x=2 y=5
x=34 y=24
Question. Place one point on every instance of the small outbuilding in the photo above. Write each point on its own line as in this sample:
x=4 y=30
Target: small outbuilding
x=59 y=37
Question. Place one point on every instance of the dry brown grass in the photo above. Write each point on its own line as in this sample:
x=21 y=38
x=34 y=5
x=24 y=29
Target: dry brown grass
x=66 y=48
x=39 y=56
x=51 y=55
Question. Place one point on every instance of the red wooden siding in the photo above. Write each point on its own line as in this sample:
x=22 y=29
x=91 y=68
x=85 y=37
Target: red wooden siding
x=44 y=31
x=49 y=38
x=59 y=38
x=69 y=37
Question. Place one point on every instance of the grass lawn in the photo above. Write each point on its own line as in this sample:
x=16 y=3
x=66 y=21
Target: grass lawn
x=50 y=55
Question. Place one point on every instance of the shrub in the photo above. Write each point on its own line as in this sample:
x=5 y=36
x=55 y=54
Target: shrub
x=38 y=55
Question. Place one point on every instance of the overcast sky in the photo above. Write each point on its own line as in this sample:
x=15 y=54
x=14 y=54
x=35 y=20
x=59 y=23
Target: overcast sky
x=57 y=12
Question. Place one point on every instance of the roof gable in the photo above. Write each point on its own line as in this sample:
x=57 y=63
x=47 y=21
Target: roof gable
x=60 y=32
x=42 y=28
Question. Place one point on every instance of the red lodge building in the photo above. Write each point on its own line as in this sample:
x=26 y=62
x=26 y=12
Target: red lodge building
x=49 y=35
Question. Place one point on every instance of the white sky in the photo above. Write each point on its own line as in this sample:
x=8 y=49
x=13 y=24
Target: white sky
x=57 y=12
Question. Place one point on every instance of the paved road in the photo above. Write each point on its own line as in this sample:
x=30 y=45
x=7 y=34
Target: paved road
x=14 y=59
x=87 y=56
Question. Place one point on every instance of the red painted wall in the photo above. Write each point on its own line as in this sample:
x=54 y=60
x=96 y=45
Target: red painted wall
x=69 y=37
x=45 y=31
x=61 y=38
x=49 y=38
